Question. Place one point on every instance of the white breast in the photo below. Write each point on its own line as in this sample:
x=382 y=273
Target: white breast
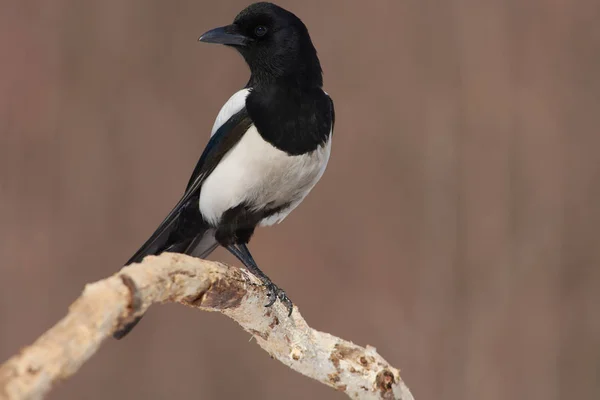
x=254 y=172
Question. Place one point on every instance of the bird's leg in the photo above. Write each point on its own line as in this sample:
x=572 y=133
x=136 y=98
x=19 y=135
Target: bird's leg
x=243 y=254
x=248 y=261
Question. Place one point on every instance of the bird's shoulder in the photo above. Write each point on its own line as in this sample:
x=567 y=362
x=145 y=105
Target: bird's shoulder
x=231 y=124
x=232 y=106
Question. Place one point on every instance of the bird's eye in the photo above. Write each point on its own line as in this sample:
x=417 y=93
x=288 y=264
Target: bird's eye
x=260 y=31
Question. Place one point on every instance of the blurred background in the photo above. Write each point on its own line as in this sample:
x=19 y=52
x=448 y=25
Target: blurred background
x=455 y=229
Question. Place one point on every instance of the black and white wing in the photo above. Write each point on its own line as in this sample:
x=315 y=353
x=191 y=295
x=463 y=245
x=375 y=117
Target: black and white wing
x=184 y=230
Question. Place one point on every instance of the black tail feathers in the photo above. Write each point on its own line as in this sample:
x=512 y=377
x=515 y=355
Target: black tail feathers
x=172 y=236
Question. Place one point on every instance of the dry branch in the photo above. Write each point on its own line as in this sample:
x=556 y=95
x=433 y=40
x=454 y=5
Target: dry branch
x=105 y=305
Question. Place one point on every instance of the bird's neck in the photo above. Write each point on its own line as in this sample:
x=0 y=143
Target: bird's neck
x=301 y=71
x=297 y=81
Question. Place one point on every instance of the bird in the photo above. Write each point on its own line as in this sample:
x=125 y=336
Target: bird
x=269 y=146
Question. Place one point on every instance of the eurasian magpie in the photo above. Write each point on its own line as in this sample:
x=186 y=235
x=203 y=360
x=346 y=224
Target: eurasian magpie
x=269 y=145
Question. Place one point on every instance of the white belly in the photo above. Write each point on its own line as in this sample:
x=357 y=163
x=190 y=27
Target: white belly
x=256 y=173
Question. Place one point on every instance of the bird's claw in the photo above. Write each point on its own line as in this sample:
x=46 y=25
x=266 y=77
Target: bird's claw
x=274 y=293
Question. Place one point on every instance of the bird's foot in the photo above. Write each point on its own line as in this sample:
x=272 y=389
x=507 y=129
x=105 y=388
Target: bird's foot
x=274 y=293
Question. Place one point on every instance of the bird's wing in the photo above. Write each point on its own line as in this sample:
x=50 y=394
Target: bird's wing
x=332 y=113
x=223 y=140
x=219 y=144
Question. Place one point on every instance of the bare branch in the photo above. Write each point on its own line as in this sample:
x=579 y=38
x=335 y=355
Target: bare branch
x=105 y=305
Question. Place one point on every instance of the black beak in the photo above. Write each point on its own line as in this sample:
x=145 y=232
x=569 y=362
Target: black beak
x=228 y=35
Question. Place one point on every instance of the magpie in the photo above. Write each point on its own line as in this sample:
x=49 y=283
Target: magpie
x=269 y=146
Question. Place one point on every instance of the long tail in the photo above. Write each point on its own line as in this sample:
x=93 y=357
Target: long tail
x=171 y=236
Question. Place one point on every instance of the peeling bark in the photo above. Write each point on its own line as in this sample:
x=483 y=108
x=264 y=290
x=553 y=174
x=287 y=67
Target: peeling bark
x=108 y=304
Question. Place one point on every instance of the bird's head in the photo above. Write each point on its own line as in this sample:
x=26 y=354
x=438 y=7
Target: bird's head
x=275 y=44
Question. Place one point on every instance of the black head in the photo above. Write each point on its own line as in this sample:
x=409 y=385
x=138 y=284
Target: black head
x=275 y=44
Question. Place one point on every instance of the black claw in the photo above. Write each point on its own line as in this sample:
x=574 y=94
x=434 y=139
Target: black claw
x=271 y=294
x=275 y=293
x=287 y=302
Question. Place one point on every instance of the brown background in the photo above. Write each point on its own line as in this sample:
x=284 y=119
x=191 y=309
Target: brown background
x=456 y=228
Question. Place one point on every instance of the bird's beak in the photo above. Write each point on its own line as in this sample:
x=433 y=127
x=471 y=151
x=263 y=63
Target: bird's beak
x=228 y=35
